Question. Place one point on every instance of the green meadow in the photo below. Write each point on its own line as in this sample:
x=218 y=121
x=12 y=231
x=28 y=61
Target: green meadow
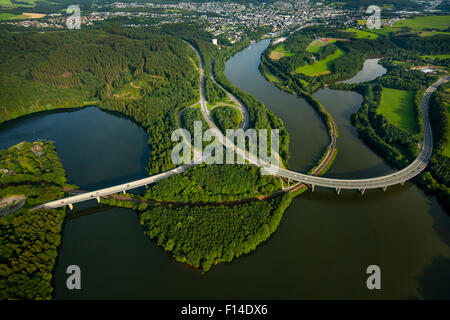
x=280 y=52
x=398 y=106
x=10 y=16
x=320 y=67
x=360 y=34
x=428 y=22
x=315 y=45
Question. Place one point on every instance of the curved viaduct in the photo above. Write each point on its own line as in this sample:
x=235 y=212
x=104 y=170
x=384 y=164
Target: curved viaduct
x=399 y=177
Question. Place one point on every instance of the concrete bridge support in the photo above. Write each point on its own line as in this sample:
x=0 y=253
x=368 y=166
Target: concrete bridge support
x=98 y=199
x=362 y=191
x=338 y=190
x=124 y=192
x=71 y=206
x=384 y=188
x=312 y=187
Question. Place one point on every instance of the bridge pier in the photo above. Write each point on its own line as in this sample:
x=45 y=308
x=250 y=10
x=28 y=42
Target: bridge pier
x=362 y=191
x=384 y=188
x=338 y=190
x=71 y=206
x=402 y=183
x=312 y=187
x=124 y=192
x=98 y=199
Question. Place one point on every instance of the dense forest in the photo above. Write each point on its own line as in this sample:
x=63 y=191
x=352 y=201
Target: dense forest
x=188 y=118
x=203 y=236
x=28 y=248
x=214 y=183
x=213 y=93
x=142 y=74
x=226 y=117
x=29 y=239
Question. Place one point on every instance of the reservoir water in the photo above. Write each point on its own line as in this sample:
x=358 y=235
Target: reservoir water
x=371 y=70
x=323 y=245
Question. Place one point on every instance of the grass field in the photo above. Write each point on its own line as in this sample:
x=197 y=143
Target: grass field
x=10 y=16
x=24 y=3
x=362 y=34
x=428 y=22
x=315 y=45
x=272 y=78
x=398 y=106
x=280 y=52
x=320 y=67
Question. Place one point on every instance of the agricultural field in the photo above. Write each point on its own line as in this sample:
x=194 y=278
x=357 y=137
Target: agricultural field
x=417 y=24
x=320 y=67
x=23 y=3
x=10 y=16
x=424 y=26
x=280 y=52
x=315 y=45
x=360 y=34
x=399 y=108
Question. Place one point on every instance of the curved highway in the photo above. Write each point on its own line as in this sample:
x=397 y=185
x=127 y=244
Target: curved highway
x=399 y=177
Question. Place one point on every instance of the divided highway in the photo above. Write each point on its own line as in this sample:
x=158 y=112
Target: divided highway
x=399 y=177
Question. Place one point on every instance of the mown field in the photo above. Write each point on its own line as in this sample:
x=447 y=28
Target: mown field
x=320 y=67
x=439 y=56
x=360 y=34
x=315 y=45
x=429 y=22
x=10 y=16
x=424 y=26
x=398 y=106
x=280 y=52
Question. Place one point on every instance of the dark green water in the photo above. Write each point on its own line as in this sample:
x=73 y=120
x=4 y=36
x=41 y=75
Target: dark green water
x=324 y=243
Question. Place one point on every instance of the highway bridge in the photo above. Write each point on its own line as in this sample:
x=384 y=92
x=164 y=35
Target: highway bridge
x=399 y=177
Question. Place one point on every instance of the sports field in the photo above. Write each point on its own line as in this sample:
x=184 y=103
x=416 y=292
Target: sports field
x=320 y=67
x=398 y=106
